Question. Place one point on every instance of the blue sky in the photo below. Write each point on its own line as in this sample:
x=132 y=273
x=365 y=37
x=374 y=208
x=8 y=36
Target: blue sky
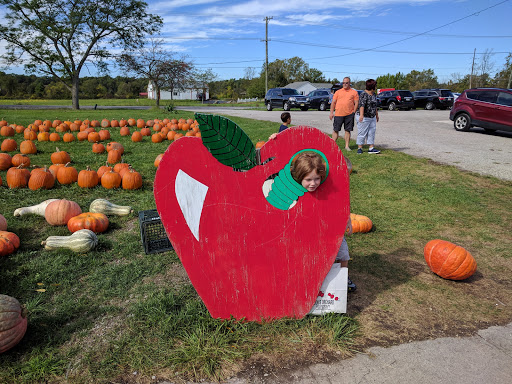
x=358 y=38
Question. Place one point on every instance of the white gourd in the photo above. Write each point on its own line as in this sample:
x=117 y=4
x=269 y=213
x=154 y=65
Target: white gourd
x=81 y=241
x=34 y=209
x=107 y=208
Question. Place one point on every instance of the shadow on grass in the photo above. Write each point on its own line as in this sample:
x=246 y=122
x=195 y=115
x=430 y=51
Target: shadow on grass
x=375 y=273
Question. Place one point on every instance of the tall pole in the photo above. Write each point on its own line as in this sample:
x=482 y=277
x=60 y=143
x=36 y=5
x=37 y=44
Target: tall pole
x=472 y=68
x=266 y=51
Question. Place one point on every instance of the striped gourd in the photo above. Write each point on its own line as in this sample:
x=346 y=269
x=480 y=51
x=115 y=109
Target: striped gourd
x=107 y=208
x=81 y=241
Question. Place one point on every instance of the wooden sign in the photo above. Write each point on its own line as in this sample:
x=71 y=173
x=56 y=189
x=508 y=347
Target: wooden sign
x=246 y=257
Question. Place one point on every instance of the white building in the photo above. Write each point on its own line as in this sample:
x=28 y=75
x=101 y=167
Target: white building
x=304 y=87
x=178 y=93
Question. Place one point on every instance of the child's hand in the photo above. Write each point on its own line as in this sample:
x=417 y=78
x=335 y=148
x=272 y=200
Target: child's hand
x=272 y=136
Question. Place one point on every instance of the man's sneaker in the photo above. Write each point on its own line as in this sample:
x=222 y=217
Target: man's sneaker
x=360 y=151
x=373 y=150
x=351 y=286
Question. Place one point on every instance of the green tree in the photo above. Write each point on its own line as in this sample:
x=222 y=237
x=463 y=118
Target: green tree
x=503 y=78
x=283 y=72
x=202 y=79
x=59 y=37
x=421 y=79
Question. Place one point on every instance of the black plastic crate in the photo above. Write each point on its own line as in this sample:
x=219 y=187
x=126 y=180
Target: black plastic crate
x=153 y=233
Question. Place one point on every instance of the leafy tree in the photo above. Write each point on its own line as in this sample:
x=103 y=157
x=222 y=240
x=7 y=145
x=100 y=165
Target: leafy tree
x=421 y=79
x=59 y=37
x=283 y=72
x=396 y=81
x=148 y=62
x=202 y=79
x=503 y=78
x=178 y=74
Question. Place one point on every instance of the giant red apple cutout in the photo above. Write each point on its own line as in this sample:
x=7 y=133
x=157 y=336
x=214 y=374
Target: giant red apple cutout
x=245 y=257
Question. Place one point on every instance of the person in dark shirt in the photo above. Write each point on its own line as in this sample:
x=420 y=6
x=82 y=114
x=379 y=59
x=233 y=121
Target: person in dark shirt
x=286 y=118
x=367 y=118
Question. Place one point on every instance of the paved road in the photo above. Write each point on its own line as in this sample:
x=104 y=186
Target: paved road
x=421 y=133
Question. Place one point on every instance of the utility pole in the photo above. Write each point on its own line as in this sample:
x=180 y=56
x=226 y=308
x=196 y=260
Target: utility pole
x=472 y=68
x=266 y=19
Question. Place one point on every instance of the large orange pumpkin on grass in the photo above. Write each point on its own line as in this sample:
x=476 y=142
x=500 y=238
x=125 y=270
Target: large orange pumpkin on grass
x=448 y=260
x=13 y=322
x=5 y=161
x=60 y=157
x=360 y=223
x=96 y=222
x=88 y=178
x=41 y=179
x=9 y=145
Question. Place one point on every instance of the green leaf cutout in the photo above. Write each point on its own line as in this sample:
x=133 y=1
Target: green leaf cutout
x=226 y=141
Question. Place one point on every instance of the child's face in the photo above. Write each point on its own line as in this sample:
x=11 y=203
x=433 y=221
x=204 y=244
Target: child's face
x=311 y=181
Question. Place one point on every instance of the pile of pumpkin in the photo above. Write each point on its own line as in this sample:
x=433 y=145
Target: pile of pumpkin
x=159 y=130
x=83 y=226
x=109 y=176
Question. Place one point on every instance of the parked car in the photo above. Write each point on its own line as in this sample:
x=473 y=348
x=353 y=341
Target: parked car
x=489 y=108
x=320 y=98
x=285 y=98
x=399 y=99
x=455 y=96
x=433 y=98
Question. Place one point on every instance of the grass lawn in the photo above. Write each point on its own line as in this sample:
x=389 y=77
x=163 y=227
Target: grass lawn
x=125 y=102
x=114 y=311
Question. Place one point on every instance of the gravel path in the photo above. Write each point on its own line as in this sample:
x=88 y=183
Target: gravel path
x=428 y=134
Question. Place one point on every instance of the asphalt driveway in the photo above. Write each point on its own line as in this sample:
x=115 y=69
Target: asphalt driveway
x=428 y=134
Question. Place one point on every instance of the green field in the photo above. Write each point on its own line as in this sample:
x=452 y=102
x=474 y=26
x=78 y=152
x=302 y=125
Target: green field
x=114 y=311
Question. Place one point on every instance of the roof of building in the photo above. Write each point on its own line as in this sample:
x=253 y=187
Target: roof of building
x=299 y=84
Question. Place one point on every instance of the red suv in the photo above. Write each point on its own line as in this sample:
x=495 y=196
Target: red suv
x=489 y=108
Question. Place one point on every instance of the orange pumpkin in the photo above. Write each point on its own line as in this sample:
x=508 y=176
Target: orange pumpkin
x=158 y=160
x=82 y=136
x=27 y=147
x=145 y=131
x=111 y=179
x=124 y=131
x=119 y=166
x=136 y=137
x=132 y=179
x=68 y=137
x=123 y=122
x=20 y=159
x=59 y=212
x=17 y=177
x=9 y=243
x=7 y=131
x=104 y=168
x=132 y=122
x=54 y=136
x=98 y=148
x=114 y=156
x=114 y=123
x=104 y=134
x=5 y=161
x=105 y=123
x=29 y=134
x=448 y=260
x=67 y=175
x=60 y=157
x=156 y=138
x=88 y=178
x=43 y=136
x=115 y=145
x=96 y=222
x=41 y=179
x=93 y=137
x=260 y=144
x=9 y=145
x=360 y=223
x=54 y=168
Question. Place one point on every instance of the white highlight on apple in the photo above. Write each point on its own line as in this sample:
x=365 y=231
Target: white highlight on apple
x=190 y=194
